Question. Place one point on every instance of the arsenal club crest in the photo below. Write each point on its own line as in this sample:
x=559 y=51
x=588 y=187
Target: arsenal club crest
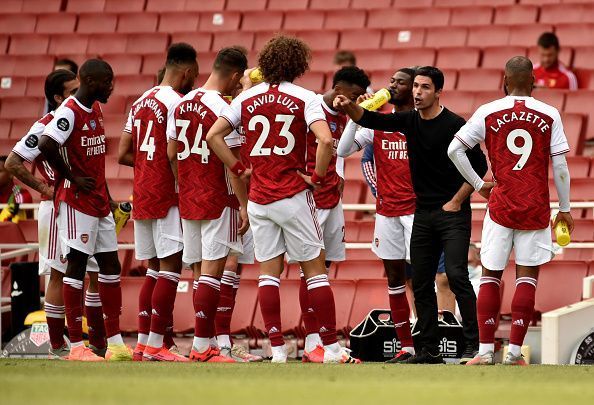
x=84 y=238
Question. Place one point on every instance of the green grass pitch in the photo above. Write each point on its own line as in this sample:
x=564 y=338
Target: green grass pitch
x=49 y=382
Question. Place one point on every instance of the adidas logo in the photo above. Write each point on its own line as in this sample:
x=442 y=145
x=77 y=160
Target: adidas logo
x=143 y=313
x=85 y=127
x=201 y=315
x=490 y=321
x=154 y=312
x=273 y=330
x=323 y=329
x=519 y=322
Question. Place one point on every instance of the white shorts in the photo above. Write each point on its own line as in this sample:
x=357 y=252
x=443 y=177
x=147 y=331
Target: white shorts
x=158 y=237
x=531 y=248
x=391 y=237
x=288 y=225
x=85 y=233
x=332 y=223
x=248 y=256
x=212 y=239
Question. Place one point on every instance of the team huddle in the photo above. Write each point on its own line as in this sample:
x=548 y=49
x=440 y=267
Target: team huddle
x=220 y=183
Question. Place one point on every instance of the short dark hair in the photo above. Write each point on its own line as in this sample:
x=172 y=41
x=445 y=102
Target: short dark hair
x=94 y=67
x=409 y=71
x=230 y=60
x=181 y=53
x=3 y=158
x=54 y=84
x=434 y=73
x=352 y=75
x=342 y=57
x=547 y=40
x=73 y=67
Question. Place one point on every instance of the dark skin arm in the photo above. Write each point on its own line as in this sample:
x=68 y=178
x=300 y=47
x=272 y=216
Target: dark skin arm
x=125 y=153
x=51 y=151
x=15 y=165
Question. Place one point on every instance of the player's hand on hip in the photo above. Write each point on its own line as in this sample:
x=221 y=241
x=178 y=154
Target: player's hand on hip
x=452 y=206
x=307 y=179
x=564 y=216
x=47 y=190
x=485 y=190
x=245 y=176
x=244 y=221
x=85 y=184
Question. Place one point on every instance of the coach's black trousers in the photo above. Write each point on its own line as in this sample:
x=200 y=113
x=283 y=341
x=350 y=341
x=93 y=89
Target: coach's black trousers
x=434 y=230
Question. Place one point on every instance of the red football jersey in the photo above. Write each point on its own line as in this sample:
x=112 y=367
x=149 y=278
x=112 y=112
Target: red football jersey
x=28 y=149
x=555 y=77
x=327 y=196
x=395 y=194
x=79 y=130
x=275 y=120
x=204 y=188
x=520 y=134
x=154 y=183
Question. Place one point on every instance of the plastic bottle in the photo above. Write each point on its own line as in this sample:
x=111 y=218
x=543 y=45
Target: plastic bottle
x=380 y=98
x=122 y=215
x=562 y=233
x=256 y=76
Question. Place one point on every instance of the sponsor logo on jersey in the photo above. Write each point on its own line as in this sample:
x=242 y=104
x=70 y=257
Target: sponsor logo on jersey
x=32 y=141
x=63 y=124
x=84 y=238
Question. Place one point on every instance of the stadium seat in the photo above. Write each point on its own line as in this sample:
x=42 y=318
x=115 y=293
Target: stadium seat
x=527 y=35
x=407 y=38
x=262 y=21
x=107 y=43
x=344 y=19
x=17 y=23
x=459 y=102
x=360 y=39
x=5 y=129
x=573 y=125
x=179 y=22
x=344 y=295
x=284 y=5
x=469 y=16
x=413 y=57
x=29 y=230
x=124 y=64
x=35 y=86
x=568 y=274
x=165 y=5
x=579 y=166
x=583 y=57
x=4 y=44
x=128 y=6
x=516 y=14
x=575 y=34
x=313 y=81
x=582 y=189
x=115 y=106
x=370 y=294
x=223 y=39
x=334 y=5
x=320 y=40
x=239 y=5
x=556 y=98
x=366 y=231
x=575 y=102
x=120 y=189
x=95 y=23
x=245 y=307
x=62 y=44
x=12 y=6
x=86 y=6
x=370 y=4
x=484 y=97
x=496 y=57
x=19 y=127
x=488 y=35
x=205 y=61
x=138 y=22
x=321 y=61
x=201 y=41
x=41 y=6
x=13 y=87
x=21 y=107
x=353 y=192
x=351 y=229
x=224 y=21
x=130 y=291
x=261 y=38
x=206 y=5
x=565 y=55
x=565 y=13
x=290 y=310
x=583 y=231
x=585 y=78
x=477 y=80
x=446 y=36
x=304 y=20
x=465 y=3
x=373 y=59
x=55 y=23
x=408 y=17
x=451 y=79
x=32 y=65
x=458 y=58
x=183 y=312
x=360 y=269
x=147 y=43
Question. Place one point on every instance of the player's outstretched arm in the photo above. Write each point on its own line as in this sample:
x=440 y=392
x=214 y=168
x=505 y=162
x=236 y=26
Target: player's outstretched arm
x=125 y=153
x=14 y=165
x=369 y=119
x=216 y=141
x=50 y=149
x=562 y=184
x=346 y=145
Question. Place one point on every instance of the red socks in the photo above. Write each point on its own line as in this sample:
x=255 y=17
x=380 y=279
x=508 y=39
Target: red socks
x=226 y=304
x=522 y=309
x=94 y=314
x=145 y=302
x=321 y=300
x=55 y=317
x=163 y=300
x=110 y=292
x=206 y=299
x=401 y=315
x=307 y=313
x=73 y=298
x=488 y=305
x=269 y=297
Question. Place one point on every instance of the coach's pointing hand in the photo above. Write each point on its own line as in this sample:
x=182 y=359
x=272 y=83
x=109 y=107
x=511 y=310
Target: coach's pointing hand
x=86 y=184
x=343 y=104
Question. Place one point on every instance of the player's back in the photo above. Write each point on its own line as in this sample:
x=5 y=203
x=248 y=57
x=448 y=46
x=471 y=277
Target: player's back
x=275 y=120
x=520 y=135
x=154 y=184
x=204 y=189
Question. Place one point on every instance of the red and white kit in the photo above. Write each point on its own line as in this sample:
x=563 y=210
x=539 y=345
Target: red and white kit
x=275 y=120
x=328 y=198
x=395 y=201
x=157 y=227
x=85 y=222
x=208 y=206
x=520 y=134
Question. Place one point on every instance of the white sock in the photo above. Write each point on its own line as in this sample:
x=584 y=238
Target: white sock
x=279 y=351
x=334 y=348
x=213 y=342
x=142 y=339
x=515 y=350
x=312 y=341
x=224 y=341
x=485 y=348
x=155 y=340
x=76 y=344
x=115 y=340
x=201 y=344
x=410 y=350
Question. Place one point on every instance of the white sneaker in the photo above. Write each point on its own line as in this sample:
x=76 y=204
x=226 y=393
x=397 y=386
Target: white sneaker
x=342 y=357
x=279 y=354
x=487 y=359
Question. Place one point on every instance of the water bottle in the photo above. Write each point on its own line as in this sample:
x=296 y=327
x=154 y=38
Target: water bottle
x=562 y=233
x=256 y=76
x=379 y=99
x=121 y=215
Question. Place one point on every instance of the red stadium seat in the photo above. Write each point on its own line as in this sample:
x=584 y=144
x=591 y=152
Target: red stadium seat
x=12 y=6
x=468 y=16
x=239 y=5
x=13 y=87
x=152 y=63
x=477 y=80
x=407 y=38
x=451 y=79
x=313 y=81
x=120 y=189
x=565 y=55
x=575 y=34
x=582 y=189
x=107 y=43
x=85 y=6
x=360 y=269
x=290 y=310
x=41 y=6
x=287 y=5
x=20 y=127
x=408 y=17
x=413 y=57
x=568 y=274
x=128 y=6
x=476 y=230
x=351 y=230
x=261 y=38
x=138 y=22
x=223 y=39
x=5 y=129
x=3 y=44
x=65 y=44
x=201 y=41
x=321 y=61
x=165 y=5
x=585 y=78
x=370 y=294
x=206 y=5
x=459 y=102
x=583 y=231
x=573 y=125
x=320 y=40
x=245 y=307
x=565 y=13
x=124 y=64
x=262 y=21
x=488 y=35
x=360 y=39
x=370 y=4
x=372 y=59
x=584 y=58
x=344 y=19
x=344 y=295
x=446 y=36
x=304 y=20
x=55 y=23
x=579 y=166
x=21 y=107
x=35 y=86
x=334 y=5
x=29 y=230
x=133 y=85
x=147 y=43
x=353 y=191
x=114 y=123
x=17 y=23
x=93 y=23
x=516 y=14
x=366 y=231
x=575 y=102
x=183 y=311
x=458 y=58
x=484 y=97
x=224 y=21
x=556 y=98
x=179 y=22
x=496 y=57
x=527 y=35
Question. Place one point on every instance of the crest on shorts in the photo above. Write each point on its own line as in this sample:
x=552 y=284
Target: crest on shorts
x=39 y=334
x=63 y=260
x=376 y=242
x=84 y=238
